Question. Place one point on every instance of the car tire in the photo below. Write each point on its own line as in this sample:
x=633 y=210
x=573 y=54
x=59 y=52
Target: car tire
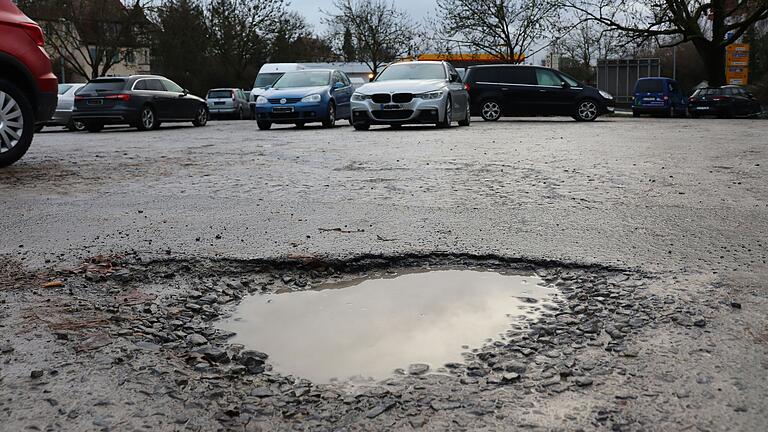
x=18 y=107
x=147 y=119
x=39 y=128
x=635 y=114
x=330 y=120
x=360 y=126
x=94 y=127
x=448 y=117
x=76 y=126
x=490 y=110
x=201 y=116
x=467 y=117
x=264 y=125
x=586 y=110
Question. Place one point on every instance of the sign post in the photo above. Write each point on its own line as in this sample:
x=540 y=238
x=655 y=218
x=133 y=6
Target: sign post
x=737 y=64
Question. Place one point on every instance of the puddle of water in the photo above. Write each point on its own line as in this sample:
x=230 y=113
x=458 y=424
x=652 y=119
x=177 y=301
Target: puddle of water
x=366 y=328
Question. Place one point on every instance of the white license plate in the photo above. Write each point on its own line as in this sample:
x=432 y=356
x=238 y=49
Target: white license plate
x=649 y=99
x=391 y=107
x=282 y=109
x=702 y=108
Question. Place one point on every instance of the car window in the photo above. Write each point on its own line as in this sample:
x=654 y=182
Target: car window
x=154 y=85
x=172 y=86
x=345 y=79
x=517 y=75
x=547 y=78
x=103 y=85
x=219 y=94
x=413 y=71
x=140 y=85
x=63 y=88
x=487 y=74
x=649 y=86
x=571 y=81
x=337 y=78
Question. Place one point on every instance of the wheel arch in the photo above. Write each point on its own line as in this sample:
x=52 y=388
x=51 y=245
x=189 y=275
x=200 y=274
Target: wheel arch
x=14 y=71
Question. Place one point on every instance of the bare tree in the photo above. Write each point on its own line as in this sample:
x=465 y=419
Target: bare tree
x=502 y=28
x=380 y=31
x=91 y=36
x=711 y=25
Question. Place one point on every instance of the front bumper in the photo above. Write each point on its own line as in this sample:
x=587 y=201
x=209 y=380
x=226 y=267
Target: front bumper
x=107 y=117
x=417 y=111
x=292 y=113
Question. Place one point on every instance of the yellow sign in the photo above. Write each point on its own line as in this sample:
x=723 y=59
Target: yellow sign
x=737 y=64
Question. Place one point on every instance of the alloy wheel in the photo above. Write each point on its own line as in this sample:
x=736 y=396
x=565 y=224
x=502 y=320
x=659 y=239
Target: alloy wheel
x=491 y=111
x=202 y=116
x=11 y=122
x=148 y=118
x=587 y=110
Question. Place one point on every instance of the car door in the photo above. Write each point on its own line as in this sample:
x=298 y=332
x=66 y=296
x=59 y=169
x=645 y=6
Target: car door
x=160 y=98
x=486 y=86
x=181 y=106
x=554 y=95
x=518 y=85
x=341 y=95
x=459 y=95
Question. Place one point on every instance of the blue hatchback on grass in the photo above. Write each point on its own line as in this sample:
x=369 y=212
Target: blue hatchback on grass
x=306 y=96
x=659 y=96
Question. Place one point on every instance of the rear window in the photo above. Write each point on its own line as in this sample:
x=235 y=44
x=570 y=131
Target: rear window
x=103 y=85
x=650 y=86
x=220 y=94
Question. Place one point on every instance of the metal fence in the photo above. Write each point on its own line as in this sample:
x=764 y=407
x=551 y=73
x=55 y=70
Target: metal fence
x=619 y=77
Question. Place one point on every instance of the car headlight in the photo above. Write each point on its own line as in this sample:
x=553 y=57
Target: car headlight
x=430 y=95
x=312 y=98
x=606 y=95
x=261 y=100
x=359 y=97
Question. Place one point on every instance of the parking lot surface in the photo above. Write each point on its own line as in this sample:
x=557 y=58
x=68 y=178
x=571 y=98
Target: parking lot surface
x=683 y=202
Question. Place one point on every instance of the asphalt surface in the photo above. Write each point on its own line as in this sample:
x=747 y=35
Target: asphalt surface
x=683 y=200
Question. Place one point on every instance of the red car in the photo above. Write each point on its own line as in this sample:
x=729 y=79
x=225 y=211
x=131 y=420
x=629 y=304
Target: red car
x=28 y=87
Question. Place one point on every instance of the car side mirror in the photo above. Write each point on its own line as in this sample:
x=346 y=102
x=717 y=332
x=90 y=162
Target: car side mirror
x=565 y=85
x=338 y=85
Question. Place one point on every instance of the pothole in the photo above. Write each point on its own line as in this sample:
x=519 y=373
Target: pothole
x=366 y=329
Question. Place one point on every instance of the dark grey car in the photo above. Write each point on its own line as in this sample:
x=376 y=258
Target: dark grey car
x=231 y=102
x=141 y=101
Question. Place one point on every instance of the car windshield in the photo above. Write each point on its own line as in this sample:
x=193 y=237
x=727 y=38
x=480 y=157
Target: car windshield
x=303 y=79
x=649 y=86
x=63 y=88
x=105 y=85
x=413 y=71
x=220 y=94
x=266 y=79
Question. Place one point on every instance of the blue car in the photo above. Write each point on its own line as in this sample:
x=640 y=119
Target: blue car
x=306 y=96
x=659 y=96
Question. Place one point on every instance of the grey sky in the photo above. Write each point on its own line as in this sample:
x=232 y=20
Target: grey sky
x=311 y=9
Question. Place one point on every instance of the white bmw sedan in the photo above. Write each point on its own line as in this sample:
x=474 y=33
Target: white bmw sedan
x=428 y=92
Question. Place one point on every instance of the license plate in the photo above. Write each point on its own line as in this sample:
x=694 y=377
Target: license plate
x=391 y=107
x=650 y=99
x=702 y=108
x=282 y=109
x=95 y=102
x=218 y=103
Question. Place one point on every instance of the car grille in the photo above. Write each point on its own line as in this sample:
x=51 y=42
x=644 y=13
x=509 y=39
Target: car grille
x=287 y=101
x=381 y=98
x=392 y=114
x=402 y=97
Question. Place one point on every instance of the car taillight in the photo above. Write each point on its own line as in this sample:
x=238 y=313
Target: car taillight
x=34 y=32
x=692 y=99
x=121 y=97
x=666 y=98
x=466 y=86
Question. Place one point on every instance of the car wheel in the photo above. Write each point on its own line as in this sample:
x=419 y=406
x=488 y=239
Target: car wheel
x=467 y=117
x=330 y=121
x=264 y=125
x=94 y=127
x=201 y=116
x=76 y=126
x=586 y=110
x=490 y=110
x=448 y=118
x=147 y=119
x=361 y=126
x=16 y=123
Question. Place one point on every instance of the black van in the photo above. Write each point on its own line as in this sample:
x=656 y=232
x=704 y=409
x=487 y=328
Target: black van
x=509 y=90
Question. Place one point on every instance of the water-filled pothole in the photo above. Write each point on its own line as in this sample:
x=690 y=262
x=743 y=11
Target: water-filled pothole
x=368 y=327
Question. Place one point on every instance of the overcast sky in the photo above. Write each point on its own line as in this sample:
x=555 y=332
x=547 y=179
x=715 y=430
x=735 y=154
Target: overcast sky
x=311 y=9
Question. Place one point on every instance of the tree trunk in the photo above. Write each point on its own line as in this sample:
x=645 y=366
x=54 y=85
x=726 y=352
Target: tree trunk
x=713 y=56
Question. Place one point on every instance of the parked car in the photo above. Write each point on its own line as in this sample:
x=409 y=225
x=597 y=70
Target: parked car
x=307 y=96
x=267 y=76
x=724 y=102
x=412 y=93
x=659 y=96
x=63 y=114
x=510 y=90
x=228 y=102
x=141 y=101
x=27 y=84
